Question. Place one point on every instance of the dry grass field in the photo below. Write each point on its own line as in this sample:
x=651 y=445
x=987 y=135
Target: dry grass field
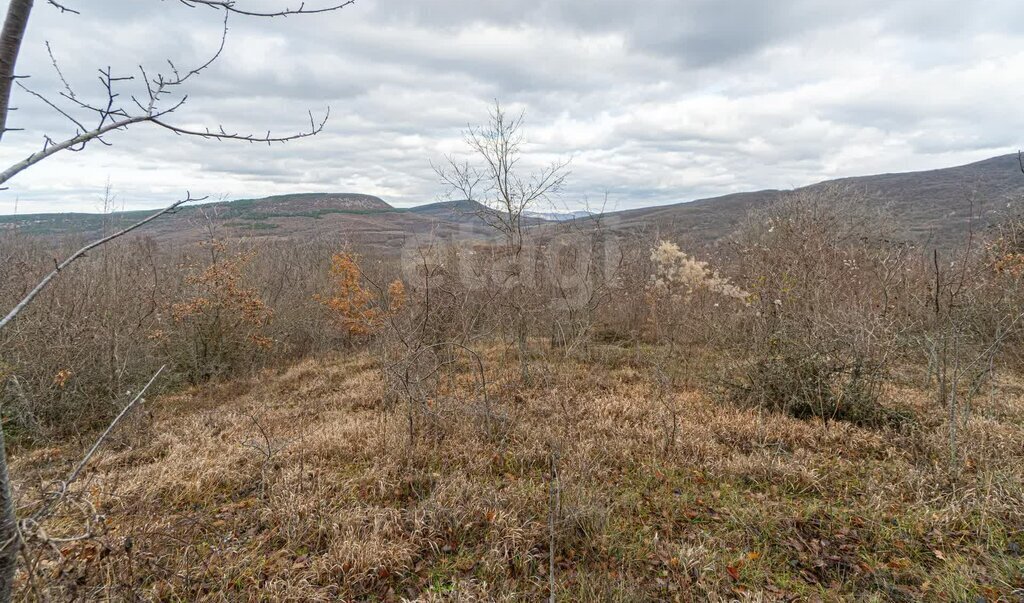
x=813 y=409
x=302 y=484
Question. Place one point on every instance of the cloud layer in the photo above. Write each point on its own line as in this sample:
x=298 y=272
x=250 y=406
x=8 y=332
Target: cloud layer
x=655 y=102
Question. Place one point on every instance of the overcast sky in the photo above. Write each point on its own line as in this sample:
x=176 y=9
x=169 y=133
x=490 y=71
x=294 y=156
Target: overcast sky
x=655 y=102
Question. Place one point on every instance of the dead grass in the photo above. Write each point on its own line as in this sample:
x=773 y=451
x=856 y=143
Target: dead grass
x=664 y=496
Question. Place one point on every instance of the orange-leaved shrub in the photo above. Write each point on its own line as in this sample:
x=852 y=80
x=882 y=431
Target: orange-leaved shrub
x=217 y=324
x=357 y=310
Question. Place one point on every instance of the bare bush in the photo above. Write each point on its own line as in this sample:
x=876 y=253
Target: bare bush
x=213 y=311
x=216 y=324
x=974 y=316
x=821 y=332
x=70 y=358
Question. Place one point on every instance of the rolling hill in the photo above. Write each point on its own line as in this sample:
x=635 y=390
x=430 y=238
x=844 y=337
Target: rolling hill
x=931 y=206
x=362 y=219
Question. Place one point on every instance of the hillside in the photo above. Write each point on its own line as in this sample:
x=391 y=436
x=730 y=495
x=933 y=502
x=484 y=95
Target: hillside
x=928 y=206
x=341 y=506
x=244 y=214
x=931 y=206
x=447 y=209
x=331 y=426
x=362 y=219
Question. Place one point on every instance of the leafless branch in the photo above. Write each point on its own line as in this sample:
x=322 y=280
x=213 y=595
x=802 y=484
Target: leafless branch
x=60 y=74
x=314 y=129
x=61 y=7
x=53 y=149
x=204 y=66
x=231 y=7
x=42 y=511
x=151 y=108
x=53 y=106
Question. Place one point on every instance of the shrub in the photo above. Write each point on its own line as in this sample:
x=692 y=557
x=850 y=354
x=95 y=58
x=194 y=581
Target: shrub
x=680 y=275
x=821 y=332
x=216 y=327
x=808 y=386
x=66 y=363
x=685 y=296
x=354 y=307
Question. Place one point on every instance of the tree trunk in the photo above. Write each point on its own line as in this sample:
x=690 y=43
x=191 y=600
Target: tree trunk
x=9 y=537
x=10 y=43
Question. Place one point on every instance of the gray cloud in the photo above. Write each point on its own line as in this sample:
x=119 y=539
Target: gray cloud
x=666 y=101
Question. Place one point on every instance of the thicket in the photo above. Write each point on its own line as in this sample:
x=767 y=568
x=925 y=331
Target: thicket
x=213 y=310
x=812 y=308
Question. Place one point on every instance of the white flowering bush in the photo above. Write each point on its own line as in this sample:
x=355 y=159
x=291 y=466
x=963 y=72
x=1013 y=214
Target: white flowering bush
x=685 y=296
x=681 y=274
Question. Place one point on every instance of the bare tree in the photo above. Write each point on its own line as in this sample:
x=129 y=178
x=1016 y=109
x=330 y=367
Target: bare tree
x=496 y=180
x=157 y=98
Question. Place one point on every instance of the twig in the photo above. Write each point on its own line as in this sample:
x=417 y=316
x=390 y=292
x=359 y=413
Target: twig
x=99 y=442
x=60 y=74
x=62 y=8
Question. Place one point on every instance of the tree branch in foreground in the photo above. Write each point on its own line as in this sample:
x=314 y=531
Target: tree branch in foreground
x=231 y=7
x=81 y=253
x=10 y=44
x=45 y=509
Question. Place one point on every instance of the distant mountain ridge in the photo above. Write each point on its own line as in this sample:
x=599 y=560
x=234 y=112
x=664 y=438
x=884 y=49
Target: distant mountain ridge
x=447 y=208
x=315 y=201
x=932 y=205
x=255 y=212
